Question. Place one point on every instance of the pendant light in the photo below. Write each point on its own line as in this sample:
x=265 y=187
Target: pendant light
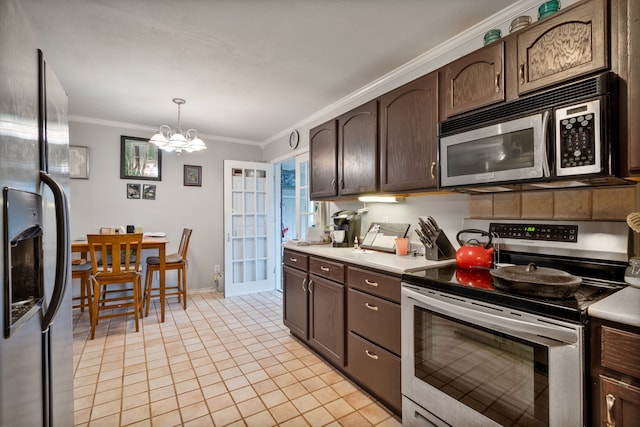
x=168 y=140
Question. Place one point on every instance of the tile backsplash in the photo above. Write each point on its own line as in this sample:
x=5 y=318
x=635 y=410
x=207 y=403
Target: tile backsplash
x=604 y=203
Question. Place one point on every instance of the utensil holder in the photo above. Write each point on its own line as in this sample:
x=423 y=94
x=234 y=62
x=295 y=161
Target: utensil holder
x=441 y=249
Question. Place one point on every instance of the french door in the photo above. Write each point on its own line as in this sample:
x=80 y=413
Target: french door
x=248 y=227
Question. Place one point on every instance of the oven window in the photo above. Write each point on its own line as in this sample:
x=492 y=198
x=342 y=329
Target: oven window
x=503 y=152
x=502 y=377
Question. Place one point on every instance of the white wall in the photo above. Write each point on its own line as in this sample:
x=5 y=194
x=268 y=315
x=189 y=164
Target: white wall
x=101 y=200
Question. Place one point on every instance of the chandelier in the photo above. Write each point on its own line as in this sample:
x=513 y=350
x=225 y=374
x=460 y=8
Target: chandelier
x=168 y=140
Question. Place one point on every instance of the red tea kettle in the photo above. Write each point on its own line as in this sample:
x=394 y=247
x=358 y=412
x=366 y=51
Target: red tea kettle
x=473 y=253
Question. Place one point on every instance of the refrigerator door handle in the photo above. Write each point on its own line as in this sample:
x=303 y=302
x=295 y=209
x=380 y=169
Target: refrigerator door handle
x=62 y=248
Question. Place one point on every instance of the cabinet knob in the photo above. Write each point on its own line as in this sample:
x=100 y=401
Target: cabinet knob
x=370 y=283
x=611 y=400
x=371 y=355
x=371 y=307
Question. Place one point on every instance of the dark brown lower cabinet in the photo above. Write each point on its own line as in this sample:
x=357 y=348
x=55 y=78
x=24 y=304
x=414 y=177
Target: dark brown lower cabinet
x=326 y=312
x=615 y=374
x=295 y=301
x=377 y=369
x=356 y=330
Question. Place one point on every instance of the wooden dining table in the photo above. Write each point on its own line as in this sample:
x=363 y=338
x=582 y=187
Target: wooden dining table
x=159 y=243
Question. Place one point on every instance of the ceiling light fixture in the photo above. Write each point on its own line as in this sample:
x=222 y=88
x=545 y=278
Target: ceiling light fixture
x=168 y=140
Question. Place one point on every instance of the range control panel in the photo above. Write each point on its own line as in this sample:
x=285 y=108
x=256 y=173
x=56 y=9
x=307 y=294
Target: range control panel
x=545 y=232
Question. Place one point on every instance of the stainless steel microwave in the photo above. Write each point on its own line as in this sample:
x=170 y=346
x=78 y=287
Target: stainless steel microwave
x=563 y=137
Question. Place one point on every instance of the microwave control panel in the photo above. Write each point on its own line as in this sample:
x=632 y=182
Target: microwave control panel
x=545 y=232
x=578 y=139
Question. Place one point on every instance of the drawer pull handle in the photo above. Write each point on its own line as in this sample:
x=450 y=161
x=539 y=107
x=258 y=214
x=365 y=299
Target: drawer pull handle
x=611 y=422
x=293 y=259
x=304 y=282
x=370 y=283
x=433 y=169
x=371 y=307
x=371 y=355
x=325 y=269
x=310 y=287
x=498 y=82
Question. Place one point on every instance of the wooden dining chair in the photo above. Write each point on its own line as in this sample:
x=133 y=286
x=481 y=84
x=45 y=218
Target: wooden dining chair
x=123 y=251
x=81 y=270
x=175 y=261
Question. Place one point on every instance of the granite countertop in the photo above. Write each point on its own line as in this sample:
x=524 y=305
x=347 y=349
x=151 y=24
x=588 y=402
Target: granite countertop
x=384 y=261
x=622 y=307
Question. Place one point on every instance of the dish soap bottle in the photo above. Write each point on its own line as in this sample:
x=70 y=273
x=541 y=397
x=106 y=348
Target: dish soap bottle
x=632 y=273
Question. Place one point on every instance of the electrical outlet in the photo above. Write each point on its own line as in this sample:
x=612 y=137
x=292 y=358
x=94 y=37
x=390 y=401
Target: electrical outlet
x=216 y=268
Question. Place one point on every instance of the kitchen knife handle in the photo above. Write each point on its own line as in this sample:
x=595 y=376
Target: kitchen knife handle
x=611 y=400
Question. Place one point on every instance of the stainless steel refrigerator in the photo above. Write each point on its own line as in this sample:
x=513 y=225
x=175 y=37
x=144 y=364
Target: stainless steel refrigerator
x=36 y=334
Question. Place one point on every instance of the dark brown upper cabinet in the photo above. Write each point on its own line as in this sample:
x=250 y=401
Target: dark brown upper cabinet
x=408 y=136
x=323 y=153
x=565 y=45
x=358 y=150
x=473 y=81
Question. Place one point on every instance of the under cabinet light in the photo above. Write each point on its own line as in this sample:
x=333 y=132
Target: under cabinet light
x=380 y=199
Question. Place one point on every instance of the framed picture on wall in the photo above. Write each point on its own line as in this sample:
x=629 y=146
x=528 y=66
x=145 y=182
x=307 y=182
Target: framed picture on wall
x=192 y=176
x=140 y=159
x=78 y=162
x=133 y=191
x=149 y=192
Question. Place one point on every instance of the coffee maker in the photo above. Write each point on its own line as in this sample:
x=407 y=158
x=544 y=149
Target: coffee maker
x=349 y=221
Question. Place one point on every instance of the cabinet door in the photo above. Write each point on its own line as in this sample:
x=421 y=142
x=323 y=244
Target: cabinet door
x=408 y=136
x=619 y=403
x=326 y=312
x=473 y=81
x=323 y=147
x=564 y=46
x=358 y=150
x=295 y=301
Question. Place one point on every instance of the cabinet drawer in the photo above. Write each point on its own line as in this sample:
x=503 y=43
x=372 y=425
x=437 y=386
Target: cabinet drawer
x=328 y=269
x=375 y=368
x=620 y=351
x=376 y=319
x=379 y=284
x=295 y=259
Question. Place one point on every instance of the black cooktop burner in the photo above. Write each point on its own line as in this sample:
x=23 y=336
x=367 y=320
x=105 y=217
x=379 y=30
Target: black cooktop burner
x=599 y=280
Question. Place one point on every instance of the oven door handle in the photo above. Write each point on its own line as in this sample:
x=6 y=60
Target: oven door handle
x=517 y=328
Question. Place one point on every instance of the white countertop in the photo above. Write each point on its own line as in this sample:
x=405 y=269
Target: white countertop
x=384 y=261
x=622 y=307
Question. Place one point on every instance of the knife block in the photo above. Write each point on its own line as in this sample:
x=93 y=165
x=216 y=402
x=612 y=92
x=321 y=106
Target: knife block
x=442 y=248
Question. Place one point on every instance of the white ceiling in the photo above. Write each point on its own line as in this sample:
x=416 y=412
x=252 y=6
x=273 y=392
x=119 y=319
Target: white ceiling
x=249 y=69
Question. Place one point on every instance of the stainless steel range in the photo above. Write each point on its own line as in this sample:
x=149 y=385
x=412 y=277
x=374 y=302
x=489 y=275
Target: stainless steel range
x=475 y=355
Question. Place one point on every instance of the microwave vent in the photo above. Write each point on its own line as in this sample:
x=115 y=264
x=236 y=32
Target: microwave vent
x=595 y=86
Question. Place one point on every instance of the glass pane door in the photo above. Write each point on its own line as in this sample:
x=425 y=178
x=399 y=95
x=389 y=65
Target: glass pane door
x=248 y=227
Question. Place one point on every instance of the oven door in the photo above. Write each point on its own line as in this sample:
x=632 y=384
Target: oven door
x=511 y=151
x=471 y=363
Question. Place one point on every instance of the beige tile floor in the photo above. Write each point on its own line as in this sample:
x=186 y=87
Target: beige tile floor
x=221 y=362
